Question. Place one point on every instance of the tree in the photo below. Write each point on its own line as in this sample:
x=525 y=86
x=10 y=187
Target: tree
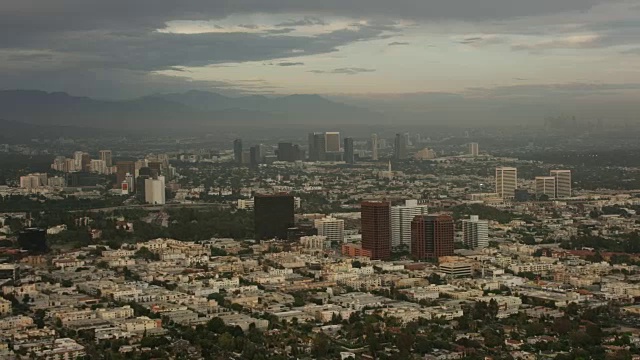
x=216 y=325
x=226 y=342
x=319 y=346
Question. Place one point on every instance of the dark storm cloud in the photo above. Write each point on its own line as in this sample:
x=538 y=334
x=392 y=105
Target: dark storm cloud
x=290 y=63
x=248 y=26
x=344 y=71
x=307 y=21
x=30 y=16
x=280 y=31
x=154 y=51
x=471 y=40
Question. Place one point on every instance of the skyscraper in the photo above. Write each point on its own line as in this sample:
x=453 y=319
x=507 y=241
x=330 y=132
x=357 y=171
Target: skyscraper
x=473 y=149
x=546 y=185
x=432 y=236
x=318 y=146
x=376 y=229
x=400 y=151
x=332 y=141
x=273 y=216
x=563 y=183
x=77 y=160
x=123 y=168
x=154 y=190
x=255 y=156
x=475 y=232
x=332 y=228
x=349 y=155
x=401 y=217
x=85 y=162
x=237 y=151
x=105 y=155
x=374 y=147
x=289 y=152
x=506 y=182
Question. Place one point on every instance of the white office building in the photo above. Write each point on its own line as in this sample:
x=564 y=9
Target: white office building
x=154 y=191
x=506 y=182
x=331 y=228
x=563 y=182
x=546 y=185
x=374 y=147
x=474 y=149
x=401 y=217
x=475 y=232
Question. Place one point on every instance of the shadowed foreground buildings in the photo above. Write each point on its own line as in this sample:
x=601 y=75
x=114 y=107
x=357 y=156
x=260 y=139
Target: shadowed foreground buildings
x=376 y=229
x=432 y=236
x=273 y=216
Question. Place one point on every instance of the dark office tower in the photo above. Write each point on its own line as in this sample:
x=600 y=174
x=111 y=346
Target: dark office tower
x=273 y=216
x=33 y=240
x=143 y=174
x=317 y=147
x=432 y=236
x=86 y=162
x=237 y=151
x=376 y=229
x=124 y=168
x=400 y=147
x=288 y=152
x=349 y=156
x=312 y=150
x=255 y=158
x=155 y=166
x=298 y=154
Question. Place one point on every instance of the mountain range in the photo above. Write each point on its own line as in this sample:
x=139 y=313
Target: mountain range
x=179 y=110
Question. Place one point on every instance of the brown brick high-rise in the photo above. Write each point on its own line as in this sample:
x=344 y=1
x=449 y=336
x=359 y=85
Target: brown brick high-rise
x=432 y=236
x=376 y=229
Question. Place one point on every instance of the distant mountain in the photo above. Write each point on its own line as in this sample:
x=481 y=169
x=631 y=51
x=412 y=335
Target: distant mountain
x=171 y=111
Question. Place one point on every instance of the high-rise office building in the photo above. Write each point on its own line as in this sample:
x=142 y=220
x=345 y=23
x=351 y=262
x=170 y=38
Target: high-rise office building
x=123 y=168
x=432 y=237
x=255 y=156
x=400 y=151
x=85 y=162
x=374 y=147
x=98 y=166
x=318 y=146
x=332 y=228
x=273 y=216
x=475 y=232
x=332 y=141
x=144 y=173
x=474 y=149
x=154 y=190
x=105 y=155
x=546 y=185
x=563 y=183
x=33 y=240
x=349 y=154
x=401 y=218
x=376 y=229
x=506 y=182
x=77 y=160
x=237 y=151
x=289 y=152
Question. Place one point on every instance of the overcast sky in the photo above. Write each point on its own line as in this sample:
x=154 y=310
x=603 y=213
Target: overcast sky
x=374 y=48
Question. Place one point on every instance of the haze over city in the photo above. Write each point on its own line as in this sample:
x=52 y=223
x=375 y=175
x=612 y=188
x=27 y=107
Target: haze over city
x=417 y=61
